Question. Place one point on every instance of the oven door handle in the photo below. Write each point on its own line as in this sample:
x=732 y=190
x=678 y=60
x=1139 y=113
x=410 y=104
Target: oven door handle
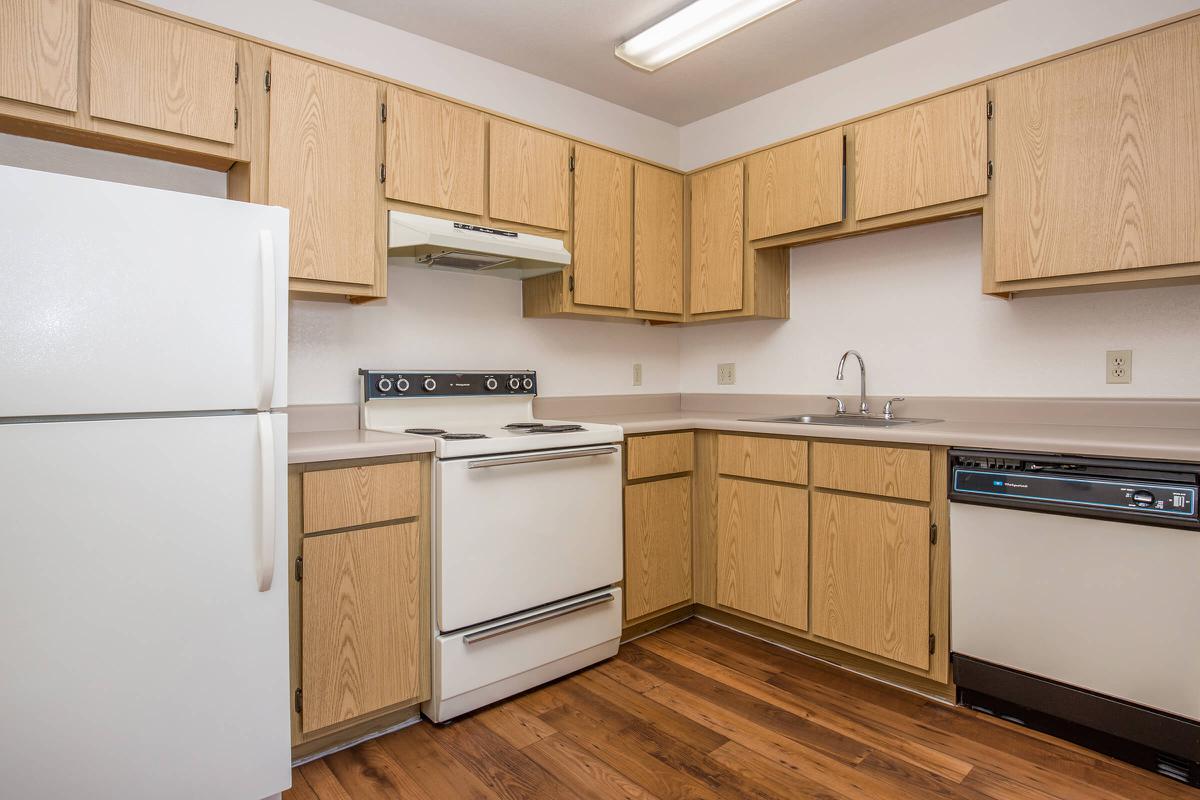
x=530 y=459
x=554 y=613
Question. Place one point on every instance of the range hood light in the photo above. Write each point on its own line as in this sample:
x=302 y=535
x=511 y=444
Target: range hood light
x=692 y=27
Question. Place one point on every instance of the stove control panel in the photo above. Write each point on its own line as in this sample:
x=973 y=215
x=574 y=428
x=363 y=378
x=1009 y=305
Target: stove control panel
x=387 y=383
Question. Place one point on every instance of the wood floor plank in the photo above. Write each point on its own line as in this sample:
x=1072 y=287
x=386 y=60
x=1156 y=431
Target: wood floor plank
x=515 y=725
x=367 y=772
x=300 y=789
x=582 y=772
x=419 y=753
x=322 y=781
x=505 y=770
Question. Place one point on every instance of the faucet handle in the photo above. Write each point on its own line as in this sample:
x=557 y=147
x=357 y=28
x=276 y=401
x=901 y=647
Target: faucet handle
x=887 y=407
x=841 y=409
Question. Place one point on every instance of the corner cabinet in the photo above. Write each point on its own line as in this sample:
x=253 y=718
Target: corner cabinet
x=325 y=167
x=657 y=240
x=602 y=258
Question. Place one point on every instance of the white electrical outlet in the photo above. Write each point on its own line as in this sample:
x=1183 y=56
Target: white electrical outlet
x=637 y=374
x=1119 y=366
x=726 y=374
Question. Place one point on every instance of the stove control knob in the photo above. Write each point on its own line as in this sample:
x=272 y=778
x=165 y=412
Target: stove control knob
x=514 y=383
x=384 y=385
x=430 y=384
x=1143 y=498
x=527 y=383
x=401 y=384
x=491 y=384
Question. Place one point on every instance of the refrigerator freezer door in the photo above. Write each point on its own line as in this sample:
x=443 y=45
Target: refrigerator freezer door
x=140 y=658
x=121 y=299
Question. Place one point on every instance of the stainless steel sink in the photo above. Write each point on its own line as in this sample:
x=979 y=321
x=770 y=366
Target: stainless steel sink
x=849 y=420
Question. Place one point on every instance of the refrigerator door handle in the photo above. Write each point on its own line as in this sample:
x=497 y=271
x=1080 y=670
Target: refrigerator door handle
x=266 y=553
x=266 y=257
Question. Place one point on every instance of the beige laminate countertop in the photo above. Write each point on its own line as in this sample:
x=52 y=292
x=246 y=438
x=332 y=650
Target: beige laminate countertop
x=1172 y=444
x=310 y=447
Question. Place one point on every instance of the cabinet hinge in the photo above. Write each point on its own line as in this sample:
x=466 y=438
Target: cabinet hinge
x=235 y=117
x=989 y=109
x=989 y=170
x=299 y=701
x=932 y=643
x=237 y=72
x=571 y=164
x=267 y=81
x=383 y=112
x=299 y=568
x=382 y=173
x=571 y=283
x=933 y=533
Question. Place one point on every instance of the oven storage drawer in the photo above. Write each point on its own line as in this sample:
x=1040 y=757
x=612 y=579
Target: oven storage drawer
x=487 y=662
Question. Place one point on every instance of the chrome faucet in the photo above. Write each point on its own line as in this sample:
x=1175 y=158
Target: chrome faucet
x=862 y=369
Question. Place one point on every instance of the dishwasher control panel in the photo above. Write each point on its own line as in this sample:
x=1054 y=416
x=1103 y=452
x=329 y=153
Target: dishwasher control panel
x=1157 y=493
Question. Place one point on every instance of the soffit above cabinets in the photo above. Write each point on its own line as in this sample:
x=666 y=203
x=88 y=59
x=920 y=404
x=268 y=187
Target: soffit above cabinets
x=572 y=43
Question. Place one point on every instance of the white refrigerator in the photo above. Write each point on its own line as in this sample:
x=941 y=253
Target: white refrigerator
x=143 y=514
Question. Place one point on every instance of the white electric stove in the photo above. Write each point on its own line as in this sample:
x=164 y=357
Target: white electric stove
x=527 y=531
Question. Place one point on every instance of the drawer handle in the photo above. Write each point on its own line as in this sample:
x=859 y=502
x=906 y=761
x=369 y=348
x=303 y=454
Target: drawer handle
x=503 y=462
x=518 y=624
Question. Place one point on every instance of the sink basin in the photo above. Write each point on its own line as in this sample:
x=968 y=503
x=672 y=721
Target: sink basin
x=849 y=420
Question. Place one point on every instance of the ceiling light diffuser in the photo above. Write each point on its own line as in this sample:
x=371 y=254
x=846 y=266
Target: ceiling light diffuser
x=692 y=27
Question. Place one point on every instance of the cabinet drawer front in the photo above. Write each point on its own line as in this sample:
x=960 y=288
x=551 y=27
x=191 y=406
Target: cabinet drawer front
x=343 y=498
x=762 y=550
x=870 y=576
x=783 y=460
x=658 y=545
x=871 y=469
x=361 y=623
x=660 y=454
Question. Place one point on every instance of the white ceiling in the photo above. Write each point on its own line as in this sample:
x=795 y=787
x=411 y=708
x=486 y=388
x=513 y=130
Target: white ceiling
x=571 y=42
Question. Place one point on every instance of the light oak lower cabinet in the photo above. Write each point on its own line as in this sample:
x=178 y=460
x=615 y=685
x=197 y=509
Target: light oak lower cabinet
x=658 y=545
x=870 y=576
x=762 y=550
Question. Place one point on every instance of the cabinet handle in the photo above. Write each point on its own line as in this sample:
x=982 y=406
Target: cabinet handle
x=266 y=542
x=266 y=258
x=518 y=624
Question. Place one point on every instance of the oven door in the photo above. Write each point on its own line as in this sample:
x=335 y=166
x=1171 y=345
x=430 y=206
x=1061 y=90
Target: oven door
x=516 y=531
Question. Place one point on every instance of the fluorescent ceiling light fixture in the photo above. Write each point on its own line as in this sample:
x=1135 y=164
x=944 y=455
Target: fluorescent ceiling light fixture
x=692 y=27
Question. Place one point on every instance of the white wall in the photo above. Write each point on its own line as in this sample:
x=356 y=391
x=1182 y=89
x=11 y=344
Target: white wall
x=992 y=40
x=909 y=300
x=338 y=35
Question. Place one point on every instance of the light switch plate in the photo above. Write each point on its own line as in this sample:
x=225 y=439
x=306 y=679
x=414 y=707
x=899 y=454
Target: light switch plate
x=1119 y=366
x=637 y=374
x=726 y=374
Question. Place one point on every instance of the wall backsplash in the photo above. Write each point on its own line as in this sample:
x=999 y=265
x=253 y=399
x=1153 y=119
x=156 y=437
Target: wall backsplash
x=910 y=301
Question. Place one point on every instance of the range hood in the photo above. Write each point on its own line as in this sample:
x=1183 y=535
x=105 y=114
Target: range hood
x=448 y=245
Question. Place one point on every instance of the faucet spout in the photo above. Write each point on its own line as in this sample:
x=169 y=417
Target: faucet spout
x=862 y=371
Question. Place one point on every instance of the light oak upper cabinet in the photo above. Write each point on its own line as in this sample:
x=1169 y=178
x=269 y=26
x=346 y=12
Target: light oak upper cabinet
x=921 y=155
x=658 y=545
x=870 y=576
x=39 y=52
x=795 y=186
x=603 y=232
x=361 y=622
x=528 y=175
x=157 y=72
x=657 y=240
x=436 y=152
x=1097 y=165
x=324 y=168
x=717 y=238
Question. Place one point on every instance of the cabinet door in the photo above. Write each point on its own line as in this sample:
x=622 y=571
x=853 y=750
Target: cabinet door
x=39 y=52
x=323 y=168
x=1097 y=161
x=435 y=152
x=658 y=545
x=870 y=576
x=603 y=233
x=921 y=155
x=157 y=72
x=657 y=239
x=762 y=550
x=716 y=238
x=360 y=612
x=528 y=175
x=795 y=186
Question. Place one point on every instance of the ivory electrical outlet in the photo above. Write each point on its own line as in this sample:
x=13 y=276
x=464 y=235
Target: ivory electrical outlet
x=1119 y=366
x=726 y=374
x=637 y=374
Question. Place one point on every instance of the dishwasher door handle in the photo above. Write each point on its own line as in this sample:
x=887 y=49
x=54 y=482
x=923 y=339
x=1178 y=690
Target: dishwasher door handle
x=545 y=616
x=536 y=457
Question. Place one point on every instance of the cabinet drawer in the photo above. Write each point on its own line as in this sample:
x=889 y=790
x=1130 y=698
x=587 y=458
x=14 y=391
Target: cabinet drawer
x=343 y=498
x=870 y=469
x=783 y=460
x=661 y=454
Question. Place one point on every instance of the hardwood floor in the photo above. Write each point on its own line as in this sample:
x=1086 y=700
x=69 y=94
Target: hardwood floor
x=697 y=712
